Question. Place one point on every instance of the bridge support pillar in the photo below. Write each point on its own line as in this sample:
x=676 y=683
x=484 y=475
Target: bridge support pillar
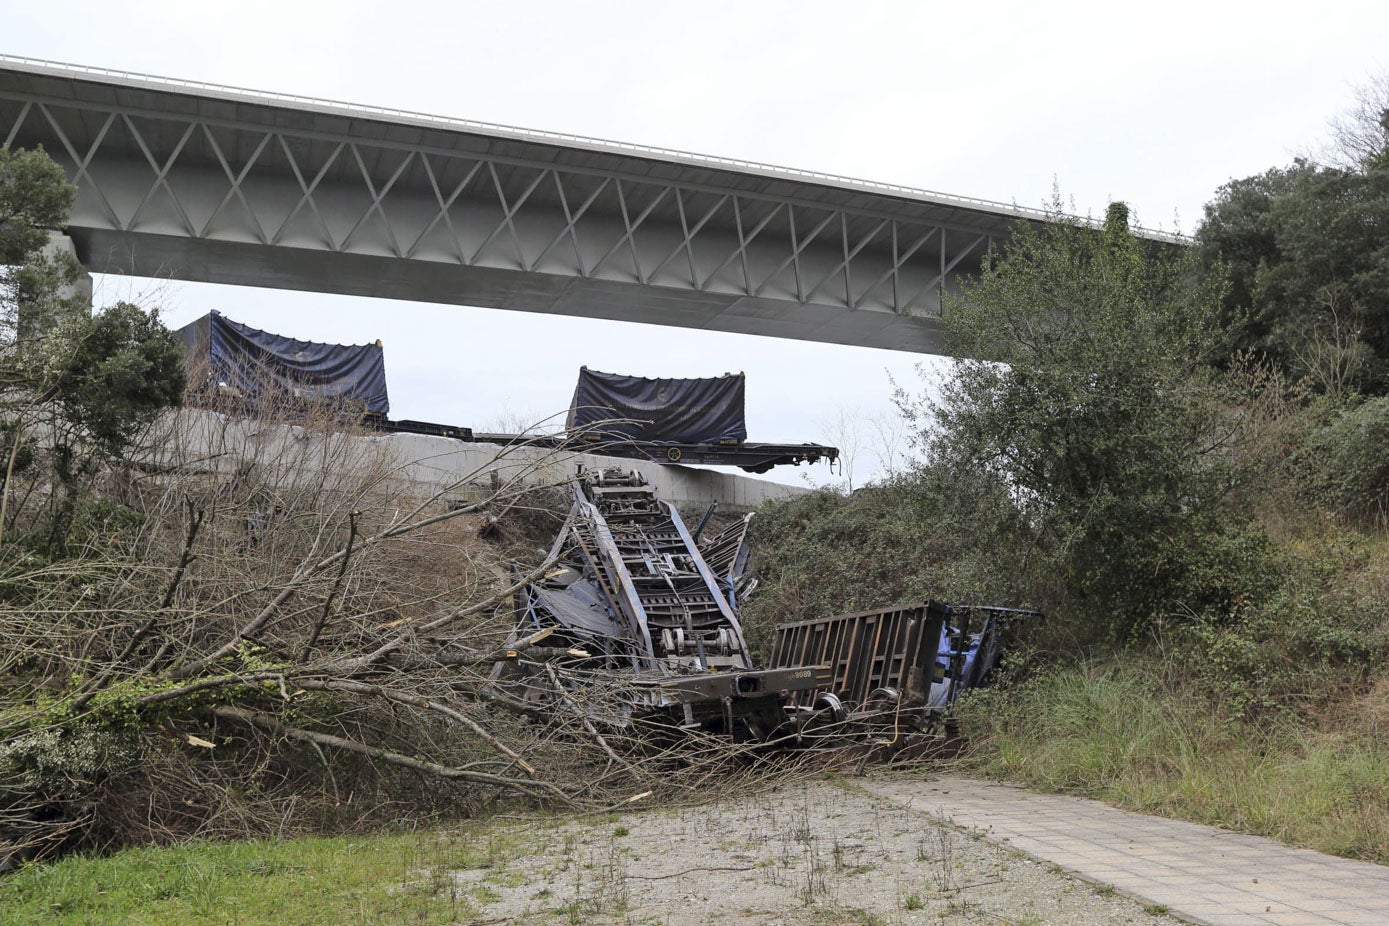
x=61 y=247
x=73 y=296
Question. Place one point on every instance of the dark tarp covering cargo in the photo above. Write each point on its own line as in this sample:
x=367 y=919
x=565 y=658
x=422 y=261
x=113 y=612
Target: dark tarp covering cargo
x=247 y=361
x=687 y=411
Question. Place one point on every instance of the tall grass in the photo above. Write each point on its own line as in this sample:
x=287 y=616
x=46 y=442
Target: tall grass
x=1136 y=735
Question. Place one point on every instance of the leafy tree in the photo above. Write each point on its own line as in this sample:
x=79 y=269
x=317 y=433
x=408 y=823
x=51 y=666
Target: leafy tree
x=34 y=199
x=1087 y=393
x=75 y=388
x=113 y=373
x=1307 y=256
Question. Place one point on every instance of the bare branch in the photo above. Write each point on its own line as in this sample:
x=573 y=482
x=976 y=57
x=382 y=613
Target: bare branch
x=427 y=704
x=533 y=789
x=312 y=641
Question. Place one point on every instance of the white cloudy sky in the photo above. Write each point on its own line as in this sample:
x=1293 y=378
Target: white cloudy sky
x=1156 y=104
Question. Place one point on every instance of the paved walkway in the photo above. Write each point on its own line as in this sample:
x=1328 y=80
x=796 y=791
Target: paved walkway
x=1200 y=873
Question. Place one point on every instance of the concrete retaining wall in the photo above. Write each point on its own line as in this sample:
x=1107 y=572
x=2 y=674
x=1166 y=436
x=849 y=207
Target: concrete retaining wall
x=442 y=465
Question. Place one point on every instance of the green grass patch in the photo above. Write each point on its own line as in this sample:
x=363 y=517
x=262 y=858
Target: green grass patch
x=401 y=878
x=1128 y=733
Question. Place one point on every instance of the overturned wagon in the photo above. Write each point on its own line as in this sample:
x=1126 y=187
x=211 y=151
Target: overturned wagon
x=906 y=663
x=635 y=622
x=637 y=619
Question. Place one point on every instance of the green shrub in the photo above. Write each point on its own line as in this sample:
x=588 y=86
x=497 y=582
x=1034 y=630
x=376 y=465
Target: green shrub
x=1349 y=459
x=46 y=760
x=915 y=537
x=1314 y=636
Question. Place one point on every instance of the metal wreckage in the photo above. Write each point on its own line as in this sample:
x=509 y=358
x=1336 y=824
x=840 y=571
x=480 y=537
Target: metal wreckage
x=639 y=616
x=638 y=621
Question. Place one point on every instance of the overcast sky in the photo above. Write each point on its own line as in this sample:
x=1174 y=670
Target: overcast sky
x=1155 y=104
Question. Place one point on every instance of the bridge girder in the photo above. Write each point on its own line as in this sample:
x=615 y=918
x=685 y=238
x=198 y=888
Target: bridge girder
x=218 y=185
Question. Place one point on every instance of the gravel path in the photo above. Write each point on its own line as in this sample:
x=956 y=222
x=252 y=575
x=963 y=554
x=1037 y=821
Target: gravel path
x=820 y=853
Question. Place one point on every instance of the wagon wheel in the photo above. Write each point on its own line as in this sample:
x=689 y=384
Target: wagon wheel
x=822 y=722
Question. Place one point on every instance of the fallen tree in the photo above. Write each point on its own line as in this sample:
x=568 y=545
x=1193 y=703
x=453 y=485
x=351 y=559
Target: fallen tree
x=262 y=625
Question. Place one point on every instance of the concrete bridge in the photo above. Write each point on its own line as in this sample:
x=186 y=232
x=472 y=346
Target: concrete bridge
x=206 y=183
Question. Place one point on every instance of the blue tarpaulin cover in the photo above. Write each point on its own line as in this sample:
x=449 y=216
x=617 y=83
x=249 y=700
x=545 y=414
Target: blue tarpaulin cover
x=687 y=411
x=250 y=361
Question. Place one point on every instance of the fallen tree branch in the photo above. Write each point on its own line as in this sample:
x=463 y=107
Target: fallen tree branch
x=271 y=725
x=338 y=670
x=16 y=432
x=469 y=659
x=430 y=705
x=568 y=702
x=96 y=685
x=312 y=641
x=306 y=572
x=386 y=649
x=206 y=684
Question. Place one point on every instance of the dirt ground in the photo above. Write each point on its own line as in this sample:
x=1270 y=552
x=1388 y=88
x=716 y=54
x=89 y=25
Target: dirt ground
x=820 y=853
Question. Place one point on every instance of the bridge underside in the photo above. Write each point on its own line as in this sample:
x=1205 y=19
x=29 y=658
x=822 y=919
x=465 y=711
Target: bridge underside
x=220 y=186
x=346 y=273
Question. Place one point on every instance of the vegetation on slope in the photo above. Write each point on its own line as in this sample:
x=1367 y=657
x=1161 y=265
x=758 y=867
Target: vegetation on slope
x=1179 y=455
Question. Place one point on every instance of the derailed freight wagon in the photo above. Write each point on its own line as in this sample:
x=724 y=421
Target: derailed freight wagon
x=635 y=624
x=616 y=406
x=909 y=662
x=231 y=360
x=697 y=421
x=638 y=620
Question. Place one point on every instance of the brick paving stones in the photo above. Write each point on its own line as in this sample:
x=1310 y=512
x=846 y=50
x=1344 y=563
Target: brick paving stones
x=1201 y=873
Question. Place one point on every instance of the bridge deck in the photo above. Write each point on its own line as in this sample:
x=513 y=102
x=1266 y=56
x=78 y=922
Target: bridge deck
x=204 y=183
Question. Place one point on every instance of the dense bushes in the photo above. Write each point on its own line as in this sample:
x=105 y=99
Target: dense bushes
x=914 y=537
x=1084 y=387
x=1348 y=462
x=1318 y=635
x=1095 y=465
x=1304 y=250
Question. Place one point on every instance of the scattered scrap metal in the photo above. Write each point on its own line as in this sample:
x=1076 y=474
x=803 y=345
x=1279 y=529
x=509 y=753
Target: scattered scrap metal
x=639 y=617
